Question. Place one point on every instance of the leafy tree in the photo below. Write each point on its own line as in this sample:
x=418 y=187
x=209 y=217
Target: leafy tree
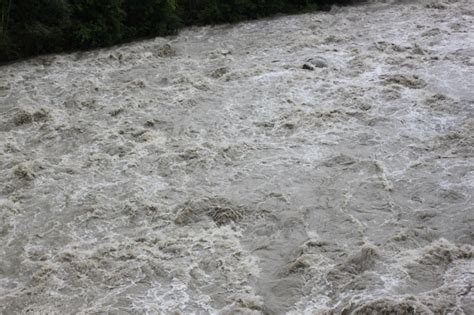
x=96 y=23
x=150 y=17
x=29 y=27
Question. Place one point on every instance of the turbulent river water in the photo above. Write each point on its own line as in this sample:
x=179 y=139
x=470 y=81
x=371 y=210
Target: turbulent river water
x=311 y=164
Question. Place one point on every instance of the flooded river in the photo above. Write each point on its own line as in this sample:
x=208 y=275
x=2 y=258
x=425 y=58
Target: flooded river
x=308 y=164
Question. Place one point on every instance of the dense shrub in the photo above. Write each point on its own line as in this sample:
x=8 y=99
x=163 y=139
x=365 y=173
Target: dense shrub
x=29 y=27
x=96 y=22
x=150 y=17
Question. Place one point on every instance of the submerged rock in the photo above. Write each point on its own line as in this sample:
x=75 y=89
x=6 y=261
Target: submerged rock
x=409 y=81
x=220 y=72
x=22 y=118
x=389 y=306
x=220 y=210
x=436 y=5
x=24 y=172
x=166 y=51
x=318 y=62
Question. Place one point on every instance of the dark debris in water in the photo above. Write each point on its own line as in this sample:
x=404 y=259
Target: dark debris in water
x=219 y=210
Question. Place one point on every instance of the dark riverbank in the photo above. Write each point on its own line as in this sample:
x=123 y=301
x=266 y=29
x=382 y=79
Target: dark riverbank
x=29 y=28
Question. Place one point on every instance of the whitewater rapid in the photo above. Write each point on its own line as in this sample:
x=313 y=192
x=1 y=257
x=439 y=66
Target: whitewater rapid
x=309 y=164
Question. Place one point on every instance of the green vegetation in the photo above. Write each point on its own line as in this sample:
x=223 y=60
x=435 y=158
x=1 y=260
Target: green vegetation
x=30 y=27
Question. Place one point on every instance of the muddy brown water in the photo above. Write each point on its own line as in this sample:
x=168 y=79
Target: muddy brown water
x=211 y=173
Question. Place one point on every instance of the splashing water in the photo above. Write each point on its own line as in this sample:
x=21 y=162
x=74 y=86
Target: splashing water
x=214 y=172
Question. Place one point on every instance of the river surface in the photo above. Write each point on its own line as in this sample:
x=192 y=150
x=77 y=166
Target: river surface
x=311 y=164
